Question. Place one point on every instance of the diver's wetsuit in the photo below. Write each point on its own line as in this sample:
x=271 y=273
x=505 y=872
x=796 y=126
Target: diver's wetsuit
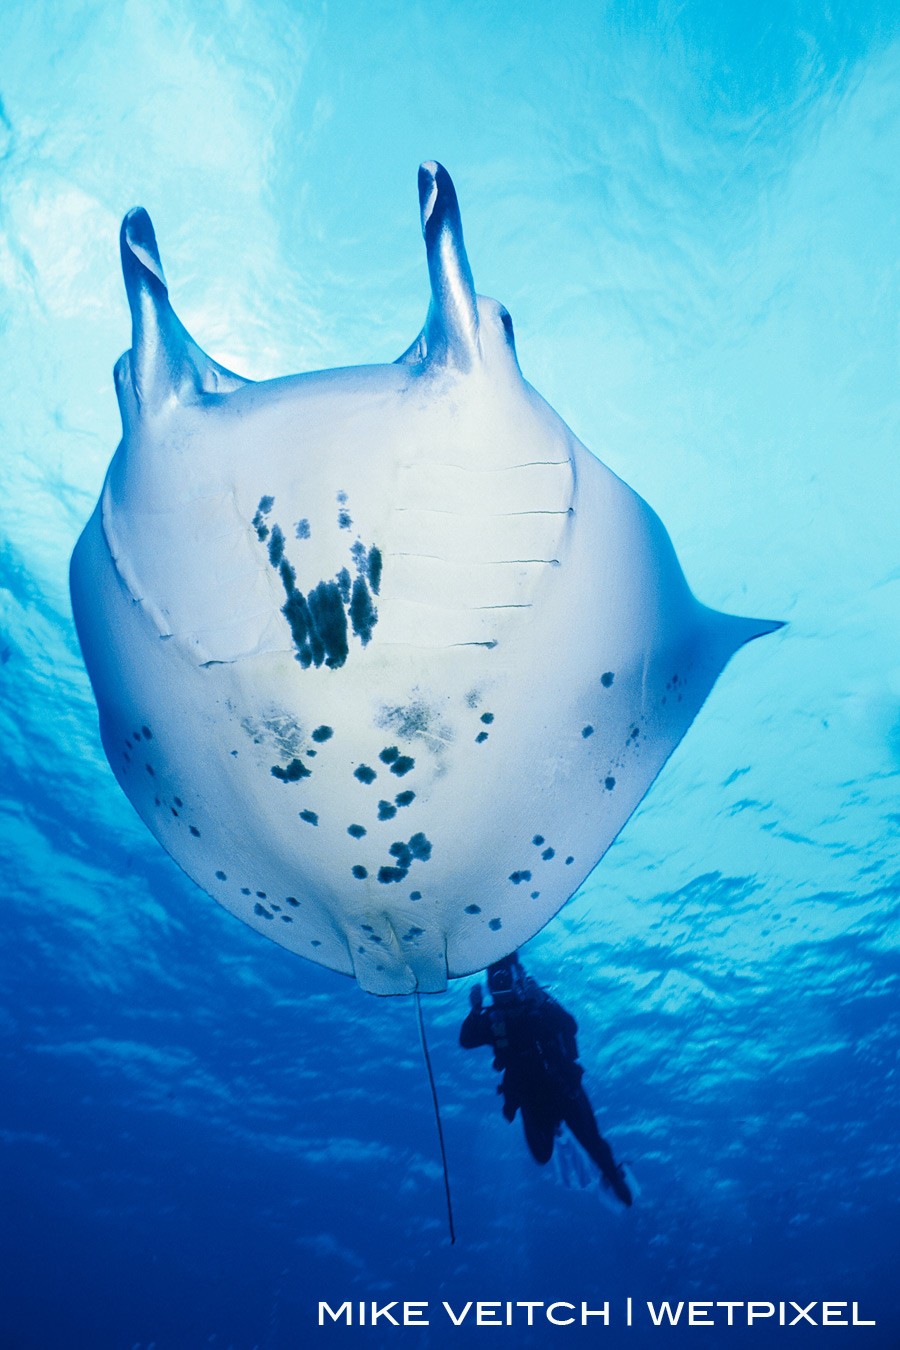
x=533 y=1039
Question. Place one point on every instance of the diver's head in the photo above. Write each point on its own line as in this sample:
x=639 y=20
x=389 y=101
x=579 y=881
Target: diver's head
x=506 y=980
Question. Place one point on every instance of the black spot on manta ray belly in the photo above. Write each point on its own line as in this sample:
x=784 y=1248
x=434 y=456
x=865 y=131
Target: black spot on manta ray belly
x=365 y=774
x=259 y=521
x=318 y=618
x=416 y=849
x=292 y=773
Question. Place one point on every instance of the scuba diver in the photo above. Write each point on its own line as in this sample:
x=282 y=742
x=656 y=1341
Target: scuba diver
x=533 y=1040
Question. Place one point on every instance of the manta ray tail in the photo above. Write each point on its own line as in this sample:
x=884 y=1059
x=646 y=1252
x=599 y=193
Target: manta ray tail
x=165 y=363
x=437 y=1116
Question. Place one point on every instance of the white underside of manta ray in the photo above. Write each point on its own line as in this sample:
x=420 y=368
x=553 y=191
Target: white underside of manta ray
x=384 y=657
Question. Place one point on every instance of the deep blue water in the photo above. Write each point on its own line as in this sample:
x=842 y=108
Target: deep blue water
x=691 y=212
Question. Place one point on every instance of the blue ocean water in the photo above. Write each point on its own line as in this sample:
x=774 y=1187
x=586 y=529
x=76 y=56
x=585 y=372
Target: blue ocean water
x=691 y=212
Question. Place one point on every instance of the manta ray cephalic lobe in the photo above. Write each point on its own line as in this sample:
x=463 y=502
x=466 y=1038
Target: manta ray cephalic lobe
x=384 y=656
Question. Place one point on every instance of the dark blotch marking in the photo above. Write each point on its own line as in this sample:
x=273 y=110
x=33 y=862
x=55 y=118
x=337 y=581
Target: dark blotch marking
x=356 y=831
x=607 y=678
x=538 y=840
x=341 y=497
x=344 y=521
x=535 y=894
x=309 y=816
x=415 y=895
x=286 y=918
x=587 y=731
x=330 y=620
x=293 y=773
x=276 y=546
x=389 y=754
x=421 y=847
x=363 y=614
x=609 y=783
x=318 y=621
x=487 y=718
x=292 y=900
x=149 y=768
x=245 y=890
x=374 y=569
x=418 y=849
x=157 y=802
x=414 y=932
x=221 y=876
x=473 y=909
x=322 y=733
x=495 y=924
x=194 y=831
x=405 y=798
x=314 y=942
x=174 y=812
x=178 y=801
x=312 y=753
x=386 y=811
x=359 y=872
x=343 y=581
x=367 y=928
x=302 y=530
x=481 y=737
x=365 y=774
x=403 y=765
x=517 y=877
x=548 y=853
x=569 y=860
x=261 y=895
x=148 y=734
x=262 y=911
x=259 y=523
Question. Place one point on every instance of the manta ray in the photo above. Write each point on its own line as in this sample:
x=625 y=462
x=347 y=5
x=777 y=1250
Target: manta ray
x=384 y=657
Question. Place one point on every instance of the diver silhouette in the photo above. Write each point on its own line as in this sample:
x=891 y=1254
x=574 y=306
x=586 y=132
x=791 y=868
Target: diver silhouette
x=533 y=1040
